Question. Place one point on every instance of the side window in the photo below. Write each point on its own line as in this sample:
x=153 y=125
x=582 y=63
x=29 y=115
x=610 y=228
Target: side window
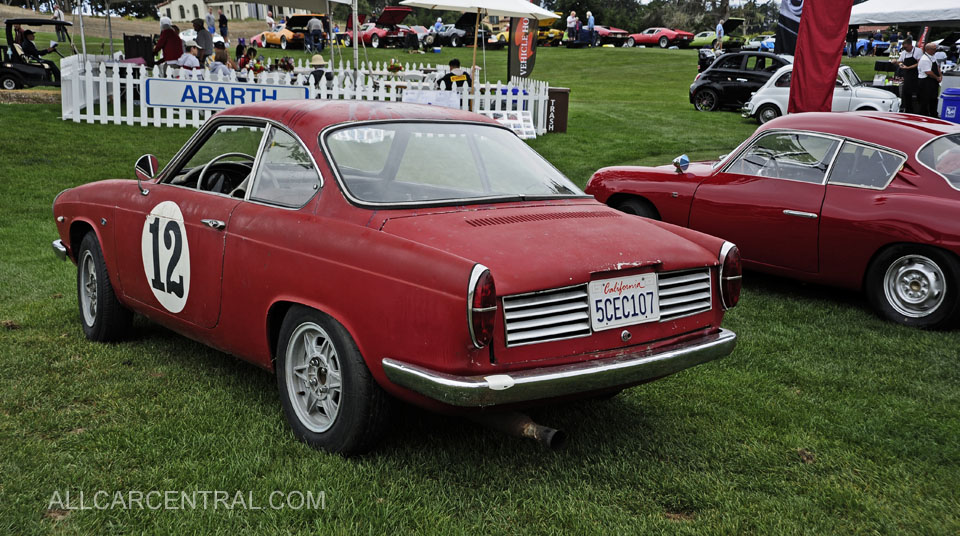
x=754 y=63
x=864 y=166
x=784 y=80
x=286 y=175
x=730 y=62
x=227 y=153
x=787 y=155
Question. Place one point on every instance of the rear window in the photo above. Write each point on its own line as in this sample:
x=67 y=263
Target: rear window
x=943 y=156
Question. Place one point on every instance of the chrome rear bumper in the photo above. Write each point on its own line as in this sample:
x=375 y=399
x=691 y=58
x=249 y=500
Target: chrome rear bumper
x=547 y=382
x=60 y=249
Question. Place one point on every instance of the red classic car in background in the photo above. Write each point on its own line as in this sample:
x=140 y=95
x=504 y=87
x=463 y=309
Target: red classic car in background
x=364 y=251
x=662 y=37
x=385 y=32
x=608 y=35
x=861 y=200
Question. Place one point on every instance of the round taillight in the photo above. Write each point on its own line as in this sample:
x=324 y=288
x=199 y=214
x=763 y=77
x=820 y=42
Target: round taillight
x=481 y=306
x=731 y=275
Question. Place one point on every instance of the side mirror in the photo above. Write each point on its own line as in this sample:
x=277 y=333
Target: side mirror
x=146 y=170
x=681 y=162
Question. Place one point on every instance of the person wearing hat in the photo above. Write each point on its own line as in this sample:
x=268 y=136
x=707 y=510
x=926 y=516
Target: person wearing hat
x=318 y=72
x=189 y=59
x=169 y=42
x=30 y=49
x=438 y=26
x=204 y=40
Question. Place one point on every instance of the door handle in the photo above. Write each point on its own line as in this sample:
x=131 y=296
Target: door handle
x=214 y=224
x=800 y=214
x=741 y=79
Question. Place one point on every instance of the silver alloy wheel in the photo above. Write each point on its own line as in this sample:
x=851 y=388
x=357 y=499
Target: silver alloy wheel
x=312 y=371
x=9 y=83
x=283 y=43
x=914 y=286
x=88 y=290
x=374 y=41
x=768 y=113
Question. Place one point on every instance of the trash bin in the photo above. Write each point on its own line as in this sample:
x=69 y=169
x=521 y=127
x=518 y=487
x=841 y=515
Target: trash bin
x=950 y=109
x=558 y=107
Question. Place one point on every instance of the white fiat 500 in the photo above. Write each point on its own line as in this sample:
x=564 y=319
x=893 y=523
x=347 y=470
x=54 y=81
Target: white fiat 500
x=850 y=94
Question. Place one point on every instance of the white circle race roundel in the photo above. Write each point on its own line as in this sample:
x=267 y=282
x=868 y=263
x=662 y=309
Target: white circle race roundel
x=166 y=256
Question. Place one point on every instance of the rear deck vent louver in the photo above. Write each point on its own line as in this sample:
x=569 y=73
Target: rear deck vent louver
x=683 y=293
x=546 y=316
x=506 y=220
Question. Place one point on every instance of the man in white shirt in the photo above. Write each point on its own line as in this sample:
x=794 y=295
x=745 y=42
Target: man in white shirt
x=189 y=58
x=572 y=25
x=930 y=78
x=61 y=30
x=270 y=21
x=907 y=62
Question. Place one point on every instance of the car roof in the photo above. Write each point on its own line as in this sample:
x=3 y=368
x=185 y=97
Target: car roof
x=310 y=116
x=904 y=132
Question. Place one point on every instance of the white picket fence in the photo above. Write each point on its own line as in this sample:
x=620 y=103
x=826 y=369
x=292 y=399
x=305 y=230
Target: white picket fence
x=108 y=92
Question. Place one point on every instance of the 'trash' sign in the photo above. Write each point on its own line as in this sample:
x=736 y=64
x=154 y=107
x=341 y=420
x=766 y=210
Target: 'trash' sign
x=216 y=95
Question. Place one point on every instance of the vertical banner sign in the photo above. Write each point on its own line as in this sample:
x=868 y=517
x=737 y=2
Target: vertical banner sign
x=823 y=30
x=522 y=48
x=788 y=26
x=923 y=37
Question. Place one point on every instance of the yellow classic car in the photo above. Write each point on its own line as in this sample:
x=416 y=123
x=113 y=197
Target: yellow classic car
x=289 y=34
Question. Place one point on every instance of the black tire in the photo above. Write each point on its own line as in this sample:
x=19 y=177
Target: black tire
x=375 y=41
x=454 y=41
x=10 y=82
x=597 y=41
x=767 y=113
x=283 y=43
x=862 y=51
x=102 y=316
x=706 y=100
x=629 y=43
x=890 y=281
x=363 y=408
x=638 y=207
x=664 y=42
x=347 y=42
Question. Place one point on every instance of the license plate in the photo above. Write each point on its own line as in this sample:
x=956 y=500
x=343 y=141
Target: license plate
x=623 y=301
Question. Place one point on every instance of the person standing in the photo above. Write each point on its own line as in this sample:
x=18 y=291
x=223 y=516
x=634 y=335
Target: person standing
x=590 y=27
x=907 y=63
x=204 y=41
x=61 y=30
x=572 y=25
x=852 y=38
x=211 y=23
x=438 y=26
x=270 y=21
x=930 y=78
x=169 y=43
x=719 y=32
x=223 y=26
x=314 y=37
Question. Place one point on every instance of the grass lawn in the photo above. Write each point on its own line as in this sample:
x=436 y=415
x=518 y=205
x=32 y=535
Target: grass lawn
x=824 y=420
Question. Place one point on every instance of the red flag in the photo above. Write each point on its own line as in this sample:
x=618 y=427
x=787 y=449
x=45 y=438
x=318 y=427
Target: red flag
x=823 y=30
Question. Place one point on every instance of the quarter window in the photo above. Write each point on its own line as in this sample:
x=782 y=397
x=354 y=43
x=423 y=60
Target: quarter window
x=943 y=156
x=286 y=175
x=731 y=62
x=787 y=155
x=864 y=166
x=784 y=80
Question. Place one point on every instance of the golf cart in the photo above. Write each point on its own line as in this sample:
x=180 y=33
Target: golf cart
x=17 y=70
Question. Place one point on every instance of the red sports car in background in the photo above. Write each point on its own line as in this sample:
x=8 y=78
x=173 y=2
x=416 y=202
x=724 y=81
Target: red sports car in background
x=861 y=200
x=608 y=35
x=366 y=251
x=385 y=32
x=662 y=37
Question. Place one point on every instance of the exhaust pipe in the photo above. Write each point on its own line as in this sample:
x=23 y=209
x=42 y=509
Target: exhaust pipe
x=520 y=425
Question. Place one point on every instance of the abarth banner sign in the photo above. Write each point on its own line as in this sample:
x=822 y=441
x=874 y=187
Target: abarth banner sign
x=216 y=95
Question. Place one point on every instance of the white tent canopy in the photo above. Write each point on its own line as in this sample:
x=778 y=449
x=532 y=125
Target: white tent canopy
x=497 y=8
x=940 y=12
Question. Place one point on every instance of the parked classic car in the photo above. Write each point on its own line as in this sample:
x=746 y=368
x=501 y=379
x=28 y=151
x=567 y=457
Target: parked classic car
x=871 y=46
x=862 y=200
x=290 y=34
x=608 y=35
x=708 y=38
x=18 y=71
x=763 y=42
x=330 y=242
x=733 y=78
x=547 y=35
x=460 y=34
x=387 y=30
x=850 y=94
x=662 y=37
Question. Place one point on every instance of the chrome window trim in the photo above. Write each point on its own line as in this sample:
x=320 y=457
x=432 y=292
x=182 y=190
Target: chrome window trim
x=765 y=133
x=255 y=172
x=475 y=274
x=331 y=163
x=916 y=156
x=894 y=152
x=211 y=124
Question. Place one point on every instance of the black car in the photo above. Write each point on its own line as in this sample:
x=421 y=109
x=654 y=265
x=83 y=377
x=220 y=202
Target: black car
x=732 y=78
x=460 y=34
x=18 y=70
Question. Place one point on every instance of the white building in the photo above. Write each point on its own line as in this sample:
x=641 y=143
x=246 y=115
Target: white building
x=187 y=10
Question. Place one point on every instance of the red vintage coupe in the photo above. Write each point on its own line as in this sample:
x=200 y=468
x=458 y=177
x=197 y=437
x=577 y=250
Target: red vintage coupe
x=861 y=200
x=385 y=32
x=662 y=37
x=365 y=251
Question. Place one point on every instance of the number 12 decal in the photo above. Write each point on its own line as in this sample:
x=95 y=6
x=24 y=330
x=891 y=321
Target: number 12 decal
x=166 y=256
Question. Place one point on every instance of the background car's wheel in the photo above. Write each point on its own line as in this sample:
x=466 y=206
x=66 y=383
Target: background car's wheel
x=706 y=100
x=328 y=395
x=638 y=207
x=915 y=286
x=664 y=42
x=375 y=41
x=767 y=113
x=502 y=40
x=103 y=318
x=862 y=51
x=454 y=41
x=630 y=42
x=9 y=82
x=713 y=44
x=283 y=43
x=597 y=41
x=347 y=42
